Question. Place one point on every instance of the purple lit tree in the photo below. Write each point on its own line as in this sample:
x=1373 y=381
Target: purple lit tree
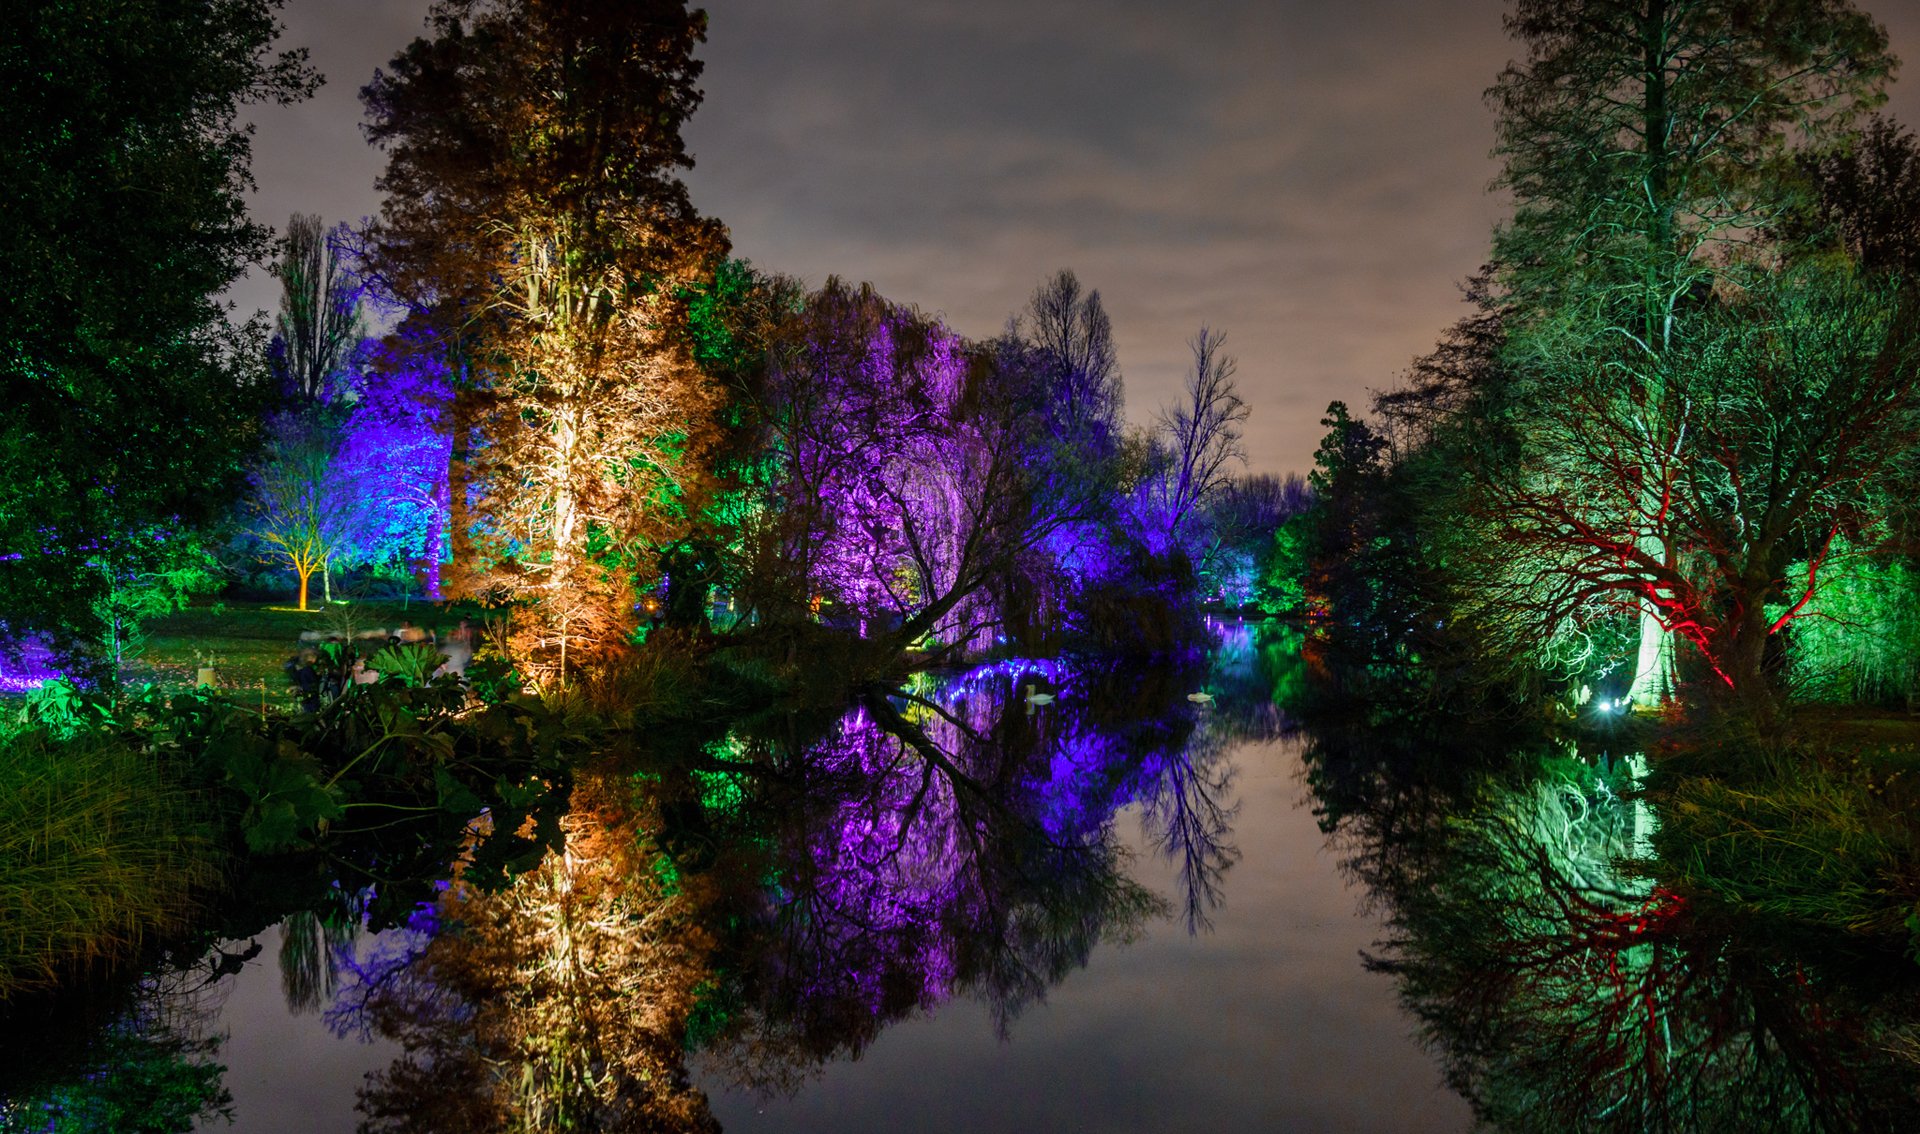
x=396 y=454
x=915 y=472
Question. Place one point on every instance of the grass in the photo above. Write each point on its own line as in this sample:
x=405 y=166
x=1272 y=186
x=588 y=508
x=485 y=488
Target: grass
x=100 y=853
x=1825 y=836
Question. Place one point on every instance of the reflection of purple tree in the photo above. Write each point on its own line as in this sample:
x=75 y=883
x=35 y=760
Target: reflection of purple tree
x=964 y=844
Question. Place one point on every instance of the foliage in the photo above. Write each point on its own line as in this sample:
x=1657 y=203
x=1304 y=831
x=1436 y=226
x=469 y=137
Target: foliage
x=132 y=600
x=1825 y=840
x=131 y=401
x=533 y=210
x=152 y=1071
x=1858 y=638
x=411 y=662
x=1645 y=140
x=1284 y=567
x=103 y=849
x=1866 y=200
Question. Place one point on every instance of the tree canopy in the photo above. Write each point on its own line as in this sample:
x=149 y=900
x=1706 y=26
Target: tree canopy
x=132 y=401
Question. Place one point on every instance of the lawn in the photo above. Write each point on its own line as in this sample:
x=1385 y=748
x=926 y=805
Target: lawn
x=249 y=643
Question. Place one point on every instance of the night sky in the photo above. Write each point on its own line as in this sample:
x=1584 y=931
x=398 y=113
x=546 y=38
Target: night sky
x=1308 y=176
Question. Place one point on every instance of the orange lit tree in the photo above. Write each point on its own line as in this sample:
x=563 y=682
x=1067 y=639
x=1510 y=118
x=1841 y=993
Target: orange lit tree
x=533 y=205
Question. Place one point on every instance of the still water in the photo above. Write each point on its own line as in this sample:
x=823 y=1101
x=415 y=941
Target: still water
x=1231 y=995
x=1031 y=896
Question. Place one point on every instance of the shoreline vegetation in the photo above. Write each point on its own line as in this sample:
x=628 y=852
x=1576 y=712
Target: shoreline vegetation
x=1595 y=635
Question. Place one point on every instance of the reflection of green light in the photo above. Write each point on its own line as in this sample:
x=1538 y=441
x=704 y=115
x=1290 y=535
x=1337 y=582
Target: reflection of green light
x=719 y=791
x=709 y=1017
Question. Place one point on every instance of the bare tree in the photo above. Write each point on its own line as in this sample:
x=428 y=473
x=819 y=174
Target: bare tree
x=319 y=322
x=1070 y=330
x=302 y=510
x=1200 y=439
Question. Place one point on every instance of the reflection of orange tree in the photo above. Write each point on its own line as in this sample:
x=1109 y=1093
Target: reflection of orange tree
x=559 y=1003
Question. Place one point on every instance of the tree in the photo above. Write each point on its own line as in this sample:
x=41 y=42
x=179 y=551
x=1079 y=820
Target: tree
x=303 y=506
x=1782 y=430
x=1868 y=199
x=1073 y=337
x=1644 y=143
x=1198 y=441
x=131 y=401
x=532 y=203
x=915 y=478
x=319 y=323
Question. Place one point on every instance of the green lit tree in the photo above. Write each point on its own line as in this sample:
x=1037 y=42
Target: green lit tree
x=131 y=400
x=1779 y=434
x=1648 y=147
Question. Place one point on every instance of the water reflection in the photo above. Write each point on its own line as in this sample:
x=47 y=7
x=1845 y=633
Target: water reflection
x=769 y=899
x=145 y=1060
x=1563 y=986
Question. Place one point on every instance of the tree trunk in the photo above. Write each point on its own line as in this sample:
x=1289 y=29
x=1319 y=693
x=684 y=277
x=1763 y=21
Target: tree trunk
x=1743 y=663
x=1653 y=666
x=436 y=529
x=305 y=576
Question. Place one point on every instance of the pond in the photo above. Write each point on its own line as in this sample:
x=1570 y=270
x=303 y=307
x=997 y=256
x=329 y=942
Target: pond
x=1043 y=896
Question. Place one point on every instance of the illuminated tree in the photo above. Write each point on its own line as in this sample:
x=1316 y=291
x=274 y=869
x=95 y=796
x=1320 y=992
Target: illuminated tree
x=1197 y=442
x=1780 y=430
x=303 y=505
x=915 y=474
x=532 y=198
x=131 y=401
x=397 y=449
x=1644 y=144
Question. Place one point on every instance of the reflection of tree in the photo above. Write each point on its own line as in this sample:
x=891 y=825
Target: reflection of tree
x=557 y=1003
x=151 y=1069
x=961 y=844
x=1563 y=994
x=1186 y=811
x=777 y=898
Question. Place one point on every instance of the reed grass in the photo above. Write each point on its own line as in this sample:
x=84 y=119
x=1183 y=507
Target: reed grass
x=1826 y=846
x=101 y=852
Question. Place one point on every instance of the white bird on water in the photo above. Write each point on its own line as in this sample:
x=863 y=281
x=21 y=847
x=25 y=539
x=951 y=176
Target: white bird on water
x=1038 y=698
x=1200 y=698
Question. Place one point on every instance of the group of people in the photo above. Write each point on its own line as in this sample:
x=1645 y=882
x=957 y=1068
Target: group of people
x=318 y=673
